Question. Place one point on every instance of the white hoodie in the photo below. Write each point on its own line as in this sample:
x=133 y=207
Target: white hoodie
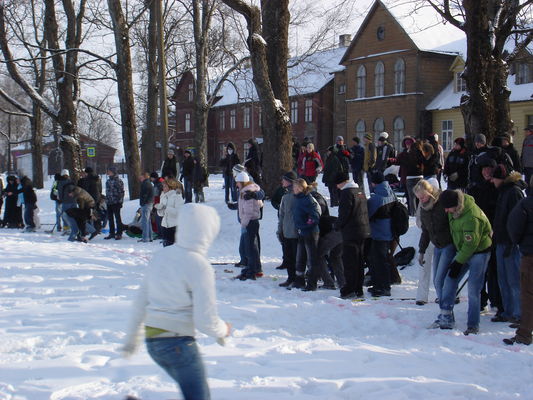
x=178 y=293
x=168 y=207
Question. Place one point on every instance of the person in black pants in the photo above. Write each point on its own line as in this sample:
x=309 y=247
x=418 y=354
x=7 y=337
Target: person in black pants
x=114 y=197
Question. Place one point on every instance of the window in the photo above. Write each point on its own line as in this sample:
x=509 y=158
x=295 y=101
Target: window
x=294 y=112
x=222 y=120
x=191 y=91
x=260 y=117
x=360 y=129
x=379 y=126
x=399 y=76
x=522 y=73
x=246 y=119
x=398 y=132
x=342 y=88
x=187 y=122
x=460 y=83
x=361 y=82
x=447 y=135
x=308 y=110
x=379 y=79
x=232 y=119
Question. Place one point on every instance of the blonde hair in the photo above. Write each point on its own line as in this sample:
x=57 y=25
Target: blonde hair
x=424 y=186
x=306 y=188
x=174 y=184
x=428 y=149
x=310 y=146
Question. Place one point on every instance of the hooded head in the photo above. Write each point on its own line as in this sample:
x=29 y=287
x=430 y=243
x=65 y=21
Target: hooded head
x=198 y=226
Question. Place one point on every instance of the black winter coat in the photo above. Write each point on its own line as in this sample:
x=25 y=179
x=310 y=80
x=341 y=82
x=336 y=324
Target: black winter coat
x=28 y=192
x=520 y=225
x=147 y=192
x=435 y=227
x=513 y=155
x=332 y=167
x=509 y=195
x=353 y=215
x=92 y=185
x=432 y=165
x=456 y=168
x=228 y=162
x=187 y=168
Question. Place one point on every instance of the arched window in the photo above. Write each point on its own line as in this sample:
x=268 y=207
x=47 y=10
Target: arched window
x=399 y=76
x=379 y=79
x=360 y=129
x=398 y=132
x=379 y=126
x=361 y=82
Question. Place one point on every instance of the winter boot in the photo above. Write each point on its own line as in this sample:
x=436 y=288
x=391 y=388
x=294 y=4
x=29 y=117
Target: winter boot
x=287 y=283
x=471 y=331
x=446 y=319
x=299 y=282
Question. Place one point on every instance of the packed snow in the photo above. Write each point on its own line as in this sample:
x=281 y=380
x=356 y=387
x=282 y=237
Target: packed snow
x=64 y=311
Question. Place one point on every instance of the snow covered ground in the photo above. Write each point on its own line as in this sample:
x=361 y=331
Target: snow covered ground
x=64 y=308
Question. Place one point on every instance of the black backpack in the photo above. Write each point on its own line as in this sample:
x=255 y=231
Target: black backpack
x=399 y=219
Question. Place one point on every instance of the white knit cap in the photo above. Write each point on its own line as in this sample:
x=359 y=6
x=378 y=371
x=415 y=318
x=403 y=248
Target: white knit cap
x=384 y=135
x=242 y=177
x=65 y=172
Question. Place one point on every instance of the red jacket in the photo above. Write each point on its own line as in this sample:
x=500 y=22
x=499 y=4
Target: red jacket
x=312 y=164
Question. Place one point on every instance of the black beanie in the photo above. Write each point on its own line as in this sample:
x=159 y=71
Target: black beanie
x=290 y=176
x=341 y=177
x=377 y=177
x=449 y=198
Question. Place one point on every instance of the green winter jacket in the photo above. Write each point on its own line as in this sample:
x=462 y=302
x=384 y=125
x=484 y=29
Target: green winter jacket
x=470 y=229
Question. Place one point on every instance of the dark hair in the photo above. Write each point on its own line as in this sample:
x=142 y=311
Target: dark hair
x=356 y=140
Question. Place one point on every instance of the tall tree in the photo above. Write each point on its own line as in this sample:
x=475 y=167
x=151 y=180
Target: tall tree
x=276 y=125
x=488 y=26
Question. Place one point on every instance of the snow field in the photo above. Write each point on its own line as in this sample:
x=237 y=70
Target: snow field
x=64 y=309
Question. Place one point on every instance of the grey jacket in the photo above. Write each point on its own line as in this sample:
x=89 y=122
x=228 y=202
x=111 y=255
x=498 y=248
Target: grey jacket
x=285 y=218
x=527 y=152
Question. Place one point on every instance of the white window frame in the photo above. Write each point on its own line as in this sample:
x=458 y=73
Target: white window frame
x=399 y=76
x=460 y=83
x=361 y=82
x=379 y=126
x=222 y=120
x=308 y=110
x=187 y=122
x=342 y=88
x=233 y=118
x=246 y=118
x=294 y=111
x=522 y=73
x=191 y=92
x=360 y=129
x=447 y=134
x=398 y=127
x=379 y=79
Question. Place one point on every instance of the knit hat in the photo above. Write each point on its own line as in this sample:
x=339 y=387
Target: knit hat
x=154 y=175
x=341 y=177
x=88 y=170
x=377 y=177
x=290 y=176
x=500 y=172
x=504 y=136
x=65 y=172
x=408 y=139
x=384 y=135
x=369 y=136
x=449 y=198
x=170 y=151
x=486 y=161
x=480 y=138
x=339 y=138
x=112 y=169
x=460 y=141
x=242 y=177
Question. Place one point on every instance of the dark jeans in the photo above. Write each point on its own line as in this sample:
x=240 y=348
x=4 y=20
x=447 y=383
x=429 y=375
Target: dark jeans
x=307 y=254
x=379 y=263
x=249 y=236
x=527 y=175
x=358 y=177
x=352 y=260
x=526 y=299
x=180 y=358
x=168 y=235
x=28 y=215
x=230 y=187
x=330 y=245
x=187 y=187
x=113 y=214
x=289 y=248
x=333 y=195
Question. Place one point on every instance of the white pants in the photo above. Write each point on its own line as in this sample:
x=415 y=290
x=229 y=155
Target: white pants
x=424 y=275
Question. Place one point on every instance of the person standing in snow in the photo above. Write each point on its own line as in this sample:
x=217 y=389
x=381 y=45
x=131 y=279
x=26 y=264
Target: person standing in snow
x=471 y=234
x=249 y=213
x=354 y=225
x=178 y=296
x=356 y=162
x=384 y=152
x=146 y=202
x=187 y=171
x=114 y=191
x=227 y=163
x=287 y=233
x=170 y=166
x=526 y=157
x=311 y=164
x=456 y=165
x=30 y=203
x=168 y=208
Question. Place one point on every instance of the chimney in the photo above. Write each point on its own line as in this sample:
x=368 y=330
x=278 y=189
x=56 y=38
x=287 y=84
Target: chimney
x=345 y=40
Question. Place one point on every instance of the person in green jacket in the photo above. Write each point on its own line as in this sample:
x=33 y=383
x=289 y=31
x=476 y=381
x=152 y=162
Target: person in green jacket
x=471 y=234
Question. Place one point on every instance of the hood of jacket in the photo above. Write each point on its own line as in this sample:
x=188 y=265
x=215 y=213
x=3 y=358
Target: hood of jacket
x=383 y=189
x=198 y=226
x=514 y=178
x=351 y=184
x=230 y=145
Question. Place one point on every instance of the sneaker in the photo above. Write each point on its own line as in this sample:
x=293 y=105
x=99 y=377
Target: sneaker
x=287 y=283
x=244 y=277
x=239 y=264
x=379 y=292
x=514 y=340
x=499 y=318
x=514 y=325
x=446 y=321
x=327 y=287
x=434 y=325
x=471 y=331
x=110 y=237
x=281 y=267
x=299 y=283
x=421 y=303
x=309 y=288
x=93 y=235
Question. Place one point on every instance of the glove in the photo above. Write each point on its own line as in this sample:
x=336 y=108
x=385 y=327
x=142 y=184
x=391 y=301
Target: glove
x=508 y=250
x=249 y=195
x=421 y=259
x=455 y=269
x=233 y=206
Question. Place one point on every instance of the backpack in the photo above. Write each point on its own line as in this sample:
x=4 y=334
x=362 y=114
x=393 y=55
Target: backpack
x=399 y=219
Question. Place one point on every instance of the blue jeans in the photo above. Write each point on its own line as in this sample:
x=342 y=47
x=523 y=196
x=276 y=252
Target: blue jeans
x=58 y=215
x=249 y=236
x=28 y=215
x=180 y=358
x=230 y=187
x=441 y=259
x=509 y=280
x=146 y=222
x=476 y=267
x=187 y=187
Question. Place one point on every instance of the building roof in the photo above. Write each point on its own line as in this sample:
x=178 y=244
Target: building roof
x=307 y=75
x=448 y=99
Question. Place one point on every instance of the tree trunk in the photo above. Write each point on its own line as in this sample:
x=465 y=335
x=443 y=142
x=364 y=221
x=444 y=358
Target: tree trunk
x=125 y=94
x=276 y=122
x=37 y=147
x=163 y=109
x=148 y=135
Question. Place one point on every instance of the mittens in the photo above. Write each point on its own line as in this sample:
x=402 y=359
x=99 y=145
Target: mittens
x=455 y=269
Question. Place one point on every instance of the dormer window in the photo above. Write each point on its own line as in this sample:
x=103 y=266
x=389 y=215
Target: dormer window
x=522 y=73
x=460 y=83
x=191 y=92
x=361 y=82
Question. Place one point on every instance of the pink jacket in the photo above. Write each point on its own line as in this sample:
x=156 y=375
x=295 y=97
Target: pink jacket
x=249 y=209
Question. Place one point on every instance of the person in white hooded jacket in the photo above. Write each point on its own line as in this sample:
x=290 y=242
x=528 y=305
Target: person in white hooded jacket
x=168 y=207
x=178 y=296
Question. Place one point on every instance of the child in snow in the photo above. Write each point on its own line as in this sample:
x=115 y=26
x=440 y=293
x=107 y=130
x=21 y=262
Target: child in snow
x=178 y=295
